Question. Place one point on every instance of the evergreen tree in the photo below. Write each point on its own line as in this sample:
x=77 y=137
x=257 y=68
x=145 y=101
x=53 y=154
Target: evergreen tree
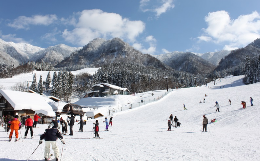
x=40 y=86
x=55 y=84
x=48 y=81
x=34 y=84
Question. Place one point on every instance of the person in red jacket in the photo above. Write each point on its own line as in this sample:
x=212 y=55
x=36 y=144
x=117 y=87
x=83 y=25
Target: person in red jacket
x=15 y=125
x=28 y=125
x=36 y=118
x=96 y=128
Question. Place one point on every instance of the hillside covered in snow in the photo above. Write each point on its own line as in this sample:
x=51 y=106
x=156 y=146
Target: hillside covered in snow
x=141 y=133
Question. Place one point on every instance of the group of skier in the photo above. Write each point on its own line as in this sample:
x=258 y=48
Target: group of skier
x=171 y=120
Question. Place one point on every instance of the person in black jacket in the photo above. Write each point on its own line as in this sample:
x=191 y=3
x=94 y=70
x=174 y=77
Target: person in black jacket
x=50 y=136
x=175 y=120
x=71 y=124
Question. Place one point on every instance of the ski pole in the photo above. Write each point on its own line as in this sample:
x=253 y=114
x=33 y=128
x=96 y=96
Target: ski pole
x=33 y=151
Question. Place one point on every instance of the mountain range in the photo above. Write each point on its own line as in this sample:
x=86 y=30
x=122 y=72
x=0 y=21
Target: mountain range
x=99 y=52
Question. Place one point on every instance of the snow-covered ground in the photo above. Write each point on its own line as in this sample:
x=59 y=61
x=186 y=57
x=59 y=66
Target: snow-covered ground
x=141 y=133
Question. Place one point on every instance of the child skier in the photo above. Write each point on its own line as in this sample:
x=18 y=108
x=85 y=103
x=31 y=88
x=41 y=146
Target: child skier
x=106 y=124
x=15 y=126
x=217 y=105
x=251 y=101
x=50 y=136
x=96 y=128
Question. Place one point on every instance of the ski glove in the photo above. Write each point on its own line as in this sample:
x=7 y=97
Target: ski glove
x=40 y=142
x=63 y=142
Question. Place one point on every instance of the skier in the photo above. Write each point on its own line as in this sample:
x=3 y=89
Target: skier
x=171 y=118
x=106 y=124
x=96 y=128
x=71 y=124
x=64 y=127
x=217 y=105
x=169 y=125
x=28 y=125
x=251 y=101
x=36 y=119
x=205 y=123
x=15 y=126
x=175 y=120
x=50 y=136
x=244 y=104
x=229 y=101
x=184 y=107
x=81 y=124
x=110 y=121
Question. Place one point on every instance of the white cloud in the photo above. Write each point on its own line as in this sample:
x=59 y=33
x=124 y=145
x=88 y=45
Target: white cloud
x=96 y=23
x=165 y=51
x=12 y=38
x=24 y=22
x=236 y=33
x=52 y=35
x=152 y=45
x=164 y=6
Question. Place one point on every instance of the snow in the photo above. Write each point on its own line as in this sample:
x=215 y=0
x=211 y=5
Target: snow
x=25 y=100
x=141 y=133
x=26 y=78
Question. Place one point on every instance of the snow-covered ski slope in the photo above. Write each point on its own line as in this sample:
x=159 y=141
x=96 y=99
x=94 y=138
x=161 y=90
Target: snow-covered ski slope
x=141 y=133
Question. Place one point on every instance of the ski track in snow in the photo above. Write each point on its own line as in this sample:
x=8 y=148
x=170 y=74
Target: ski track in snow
x=141 y=133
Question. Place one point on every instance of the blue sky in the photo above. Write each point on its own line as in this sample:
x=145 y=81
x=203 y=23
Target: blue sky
x=151 y=26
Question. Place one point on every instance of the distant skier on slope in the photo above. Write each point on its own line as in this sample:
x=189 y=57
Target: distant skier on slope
x=251 y=101
x=184 y=107
x=229 y=101
x=110 y=121
x=244 y=104
x=50 y=136
x=205 y=123
x=169 y=125
x=175 y=121
x=171 y=118
x=217 y=106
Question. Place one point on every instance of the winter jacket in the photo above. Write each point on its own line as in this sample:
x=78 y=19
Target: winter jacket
x=205 y=120
x=29 y=122
x=175 y=119
x=96 y=127
x=51 y=135
x=72 y=121
x=15 y=124
x=36 y=117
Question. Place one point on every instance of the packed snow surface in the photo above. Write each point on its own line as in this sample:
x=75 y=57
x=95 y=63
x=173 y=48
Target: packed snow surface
x=141 y=133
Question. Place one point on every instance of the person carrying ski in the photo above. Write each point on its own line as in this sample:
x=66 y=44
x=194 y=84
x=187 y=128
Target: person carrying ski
x=251 y=101
x=106 y=123
x=171 y=118
x=110 y=121
x=15 y=126
x=28 y=125
x=96 y=128
x=169 y=125
x=36 y=119
x=205 y=123
x=217 y=106
x=175 y=121
x=50 y=136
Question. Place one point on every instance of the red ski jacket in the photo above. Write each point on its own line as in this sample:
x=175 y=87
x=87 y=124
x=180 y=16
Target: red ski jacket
x=29 y=122
x=36 y=117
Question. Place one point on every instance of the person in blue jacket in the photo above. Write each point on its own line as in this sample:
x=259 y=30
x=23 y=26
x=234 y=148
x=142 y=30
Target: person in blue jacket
x=106 y=124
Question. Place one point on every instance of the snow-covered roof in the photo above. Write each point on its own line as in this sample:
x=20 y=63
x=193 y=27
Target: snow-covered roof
x=111 y=86
x=30 y=101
